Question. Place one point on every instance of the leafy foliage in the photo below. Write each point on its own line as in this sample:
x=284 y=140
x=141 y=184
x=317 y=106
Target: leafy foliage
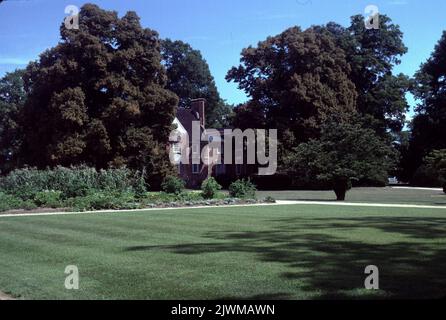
x=270 y=199
x=436 y=161
x=104 y=201
x=429 y=125
x=210 y=188
x=372 y=55
x=51 y=199
x=71 y=182
x=99 y=98
x=242 y=189
x=190 y=78
x=10 y=202
x=295 y=80
x=345 y=152
x=12 y=98
x=173 y=185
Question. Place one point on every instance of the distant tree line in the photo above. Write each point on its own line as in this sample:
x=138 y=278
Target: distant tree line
x=106 y=95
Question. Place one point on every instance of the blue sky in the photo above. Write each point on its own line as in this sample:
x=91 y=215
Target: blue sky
x=219 y=28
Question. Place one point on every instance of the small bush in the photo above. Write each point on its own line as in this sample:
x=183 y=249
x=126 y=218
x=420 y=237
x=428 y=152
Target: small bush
x=189 y=196
x=426 y=177
x=173 y=185
x=210 y=188
x=9 y=202
x=270 y=200
x=242 y=189
x=28 y=205
x=104 y=201
x=50 y=199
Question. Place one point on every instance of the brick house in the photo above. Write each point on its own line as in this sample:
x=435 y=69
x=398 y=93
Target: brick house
x=183 y=151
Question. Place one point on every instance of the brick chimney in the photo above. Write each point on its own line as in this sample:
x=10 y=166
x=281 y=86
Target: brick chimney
x=198 y=106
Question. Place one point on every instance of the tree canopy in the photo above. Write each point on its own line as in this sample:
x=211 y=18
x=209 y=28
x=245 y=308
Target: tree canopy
x=345 y=152
x=296 y=80
x=436 y=161
x=189 y=77
x=12 y=98
x=372 y=55
x=99 y=97
x=429 y=125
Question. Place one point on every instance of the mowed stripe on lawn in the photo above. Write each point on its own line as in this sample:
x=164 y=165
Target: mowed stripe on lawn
x=292 y=252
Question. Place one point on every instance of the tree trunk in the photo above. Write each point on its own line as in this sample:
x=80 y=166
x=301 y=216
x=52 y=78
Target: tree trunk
x=340 y=188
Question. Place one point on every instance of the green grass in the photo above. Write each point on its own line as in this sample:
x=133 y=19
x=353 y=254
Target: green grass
x=371 y=195
x=280 y=252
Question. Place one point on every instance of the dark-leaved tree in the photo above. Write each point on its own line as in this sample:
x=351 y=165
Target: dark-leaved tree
x=190 y=78
x=99 y=98
x=12 y=98
x=436 y=161
x=295 y=81
x=372 y=55
x=429 y=124
x=345 y=152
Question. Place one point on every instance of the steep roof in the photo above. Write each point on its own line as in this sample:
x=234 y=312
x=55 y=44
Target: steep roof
x=186 y=117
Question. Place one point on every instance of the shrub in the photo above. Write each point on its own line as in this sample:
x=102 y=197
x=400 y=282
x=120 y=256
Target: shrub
x=426 y=177
x=270 y=199
x=71 y=182
x=28 y=205
x=139 y=185
x=210 y=188
x=51 y=199
x=173 y=185
x=243 y=189
x=10 y=202
x=104 y=201
x=189 y=196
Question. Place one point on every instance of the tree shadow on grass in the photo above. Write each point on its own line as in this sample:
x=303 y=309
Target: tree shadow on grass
x=334 y=265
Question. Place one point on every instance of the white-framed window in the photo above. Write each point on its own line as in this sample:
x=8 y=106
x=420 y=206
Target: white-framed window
x=196 y=168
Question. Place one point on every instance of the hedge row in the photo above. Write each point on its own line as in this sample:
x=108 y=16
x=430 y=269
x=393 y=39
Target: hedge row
x=83 y=188
x=71 y=182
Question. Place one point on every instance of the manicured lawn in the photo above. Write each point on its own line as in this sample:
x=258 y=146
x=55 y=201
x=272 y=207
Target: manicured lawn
x=371 y=195
x=289 y=252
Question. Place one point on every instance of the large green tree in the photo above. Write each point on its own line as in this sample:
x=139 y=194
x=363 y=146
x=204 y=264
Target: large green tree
x=436 y=161
x=99 y=97
x=190 y=78
x=345 y=152
x=429 y=125
x=295 y=81
x=12 y=98
x=372 y=55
